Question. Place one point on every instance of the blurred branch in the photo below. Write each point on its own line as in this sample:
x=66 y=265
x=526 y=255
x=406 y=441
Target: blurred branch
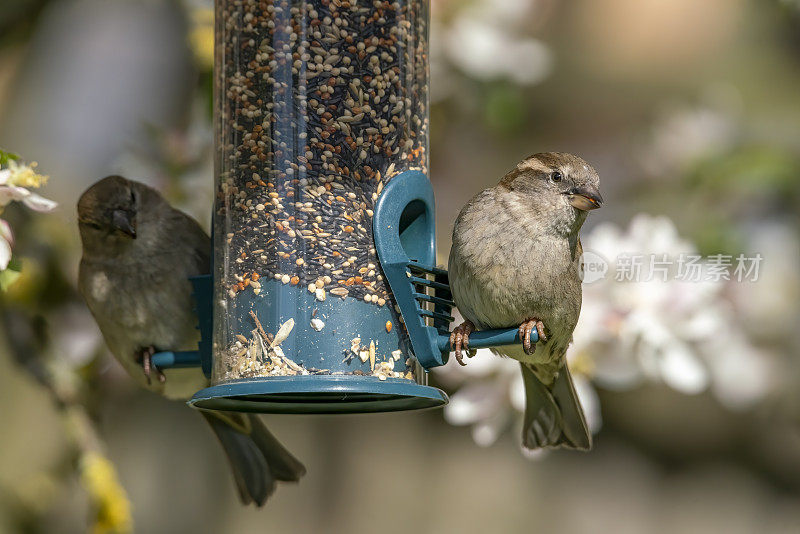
x=28 y=341
x=17 y=19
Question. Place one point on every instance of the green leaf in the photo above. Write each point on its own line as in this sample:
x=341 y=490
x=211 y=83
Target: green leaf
x=5 y=157
x=10 y=275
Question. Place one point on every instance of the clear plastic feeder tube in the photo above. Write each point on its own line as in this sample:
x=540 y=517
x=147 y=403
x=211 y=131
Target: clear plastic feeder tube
x=319 y=103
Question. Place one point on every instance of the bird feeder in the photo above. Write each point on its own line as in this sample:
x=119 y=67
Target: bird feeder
x=324 y=297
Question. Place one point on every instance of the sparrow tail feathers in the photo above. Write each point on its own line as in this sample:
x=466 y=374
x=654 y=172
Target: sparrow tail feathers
x=553 y=416
x=256 y=457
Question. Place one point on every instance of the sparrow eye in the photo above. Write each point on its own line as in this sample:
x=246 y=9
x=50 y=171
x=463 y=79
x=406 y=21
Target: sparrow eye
x=556 y=177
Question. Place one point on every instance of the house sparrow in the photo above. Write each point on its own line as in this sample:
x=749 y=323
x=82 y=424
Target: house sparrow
x=138 y=253
x=515 y=261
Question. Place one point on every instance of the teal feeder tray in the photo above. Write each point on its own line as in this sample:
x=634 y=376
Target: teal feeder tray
x=330 y=377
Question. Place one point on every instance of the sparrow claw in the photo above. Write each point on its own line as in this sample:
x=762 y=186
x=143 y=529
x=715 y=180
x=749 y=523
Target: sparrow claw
x=145 y=357
x=540 y=331
x=526 y=339
x=459 y=339
x=525 y=330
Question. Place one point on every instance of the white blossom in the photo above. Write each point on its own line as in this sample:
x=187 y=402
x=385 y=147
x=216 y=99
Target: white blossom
x=682 y=333
x=15 y=181
x=487 y=40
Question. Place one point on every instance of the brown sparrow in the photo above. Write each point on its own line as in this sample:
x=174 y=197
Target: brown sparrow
x=138 y=253
x=515 y=261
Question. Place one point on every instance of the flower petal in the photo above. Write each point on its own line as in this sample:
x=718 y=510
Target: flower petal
x=682 y=371
x=10 y=193
x=5 y=254
x=486 y=431
x=39 y=203
x=516 y=393
x=590 y=402
x=6 y=233
x=472 y=403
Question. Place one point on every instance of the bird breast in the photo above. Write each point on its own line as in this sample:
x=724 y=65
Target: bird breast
x=503 y=271
x=99 y=286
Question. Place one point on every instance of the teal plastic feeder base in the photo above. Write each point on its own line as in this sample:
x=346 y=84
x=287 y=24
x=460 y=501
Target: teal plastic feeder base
x=319 y=394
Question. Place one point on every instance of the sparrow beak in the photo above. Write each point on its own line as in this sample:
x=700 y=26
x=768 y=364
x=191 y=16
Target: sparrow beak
x=124 y=222
x=585 y=198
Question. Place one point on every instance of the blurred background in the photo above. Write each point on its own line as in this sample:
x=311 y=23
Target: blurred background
x=691 y=115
